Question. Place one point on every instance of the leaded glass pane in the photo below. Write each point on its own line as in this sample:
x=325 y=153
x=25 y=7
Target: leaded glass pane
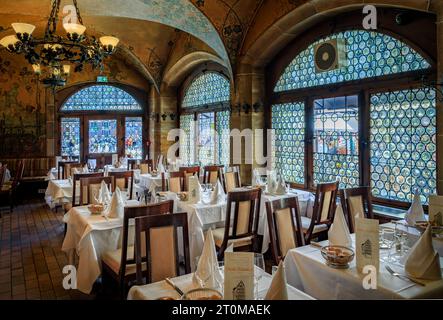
x=134 y=137
x=223 y=126
x=367 y=54
x=206 y=137
x=101 y=98
x=187 y=141
x=288 y=123
x=70 y=136
x=102 y=136
x=206 y=89
x=336 y=141
x=403 y=144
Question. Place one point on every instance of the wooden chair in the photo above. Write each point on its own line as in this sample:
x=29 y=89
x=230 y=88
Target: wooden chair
x=356 y=201
x=188 y=172
x=120 y=264
x=174 y=183
x=243 y=232
x=231 y=179
x=61 y=171
x=132 y=164
x=124 y=180
x=284 y=224
x=75 y=180
x=323 y=212
x=90 y=186
x=9 y=189
x=146 y=166
x=158 y=234
x=211 y=174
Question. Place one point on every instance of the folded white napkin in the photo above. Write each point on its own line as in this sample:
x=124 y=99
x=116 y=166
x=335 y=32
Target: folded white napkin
x=207 y=267
x=104 y=196
x=218 y=193
x=423 y=262
x=415 y=212
x=256 y=180
x=338 y=234
x=161 y=168
x=85 y=169
x=271 y=182
x=280 y=189
x=194 y=190
x=278 y=290
x=117 y=207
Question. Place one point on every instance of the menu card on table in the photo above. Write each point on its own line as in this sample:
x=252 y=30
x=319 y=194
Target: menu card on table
x=239 y=276
x=367 y=243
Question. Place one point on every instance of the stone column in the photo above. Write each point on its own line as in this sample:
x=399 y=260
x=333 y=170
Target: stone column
x=249 y=90
x=168 y=106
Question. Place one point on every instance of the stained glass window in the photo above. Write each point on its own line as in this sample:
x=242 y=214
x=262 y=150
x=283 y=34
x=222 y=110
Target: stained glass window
x=70 y=136
x=367 y=54
x=288 y=148
x=223 y=125
x=336 y=141
x=206 y=89
x=206 y=137
x=403 y=144
x=102 y=136
x=187 y=141
x=101 y=98
x=134 y=137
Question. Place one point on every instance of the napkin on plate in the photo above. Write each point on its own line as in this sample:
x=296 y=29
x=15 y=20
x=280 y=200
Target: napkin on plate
x=194 y=190
x=117 y=207
x=338 y=234
x=415 y=212
x=104 y=196
x=207 y=267
x=218 y=193
x=423 y=262
x=278 y=290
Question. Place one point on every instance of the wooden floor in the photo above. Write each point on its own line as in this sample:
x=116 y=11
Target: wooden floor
x=31 y=260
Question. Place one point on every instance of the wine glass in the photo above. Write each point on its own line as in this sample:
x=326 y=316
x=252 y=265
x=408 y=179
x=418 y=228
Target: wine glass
x=259 y=269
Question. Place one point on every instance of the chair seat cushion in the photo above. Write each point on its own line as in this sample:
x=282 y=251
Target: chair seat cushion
x=112 y=260
x=219 y=235
x=6 y=188
x=306 y=222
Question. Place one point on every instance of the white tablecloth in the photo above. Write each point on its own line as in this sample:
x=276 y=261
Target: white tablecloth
x=307 y=271
x=59 y=192
x=89 y=236
x=149 y=182
x=162 y=289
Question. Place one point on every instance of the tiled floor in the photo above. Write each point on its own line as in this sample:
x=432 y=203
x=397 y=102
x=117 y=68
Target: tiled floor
x=31 y=260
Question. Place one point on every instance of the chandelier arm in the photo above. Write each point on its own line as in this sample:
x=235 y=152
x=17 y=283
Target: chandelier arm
x=77 y=10
x=51 y=27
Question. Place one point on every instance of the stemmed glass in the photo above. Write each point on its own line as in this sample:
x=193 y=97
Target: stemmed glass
x=397 y=254
x=259 y=269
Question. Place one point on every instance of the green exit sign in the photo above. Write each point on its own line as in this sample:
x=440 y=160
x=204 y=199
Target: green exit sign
x=102 y=79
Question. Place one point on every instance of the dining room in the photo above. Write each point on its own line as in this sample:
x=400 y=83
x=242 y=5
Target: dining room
x=221 y=150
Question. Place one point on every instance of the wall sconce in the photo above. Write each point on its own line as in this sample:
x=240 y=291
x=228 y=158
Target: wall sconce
x=154 y=117
x=172 y=116
x=246 y=107
x=164 y=116
x=256 y=106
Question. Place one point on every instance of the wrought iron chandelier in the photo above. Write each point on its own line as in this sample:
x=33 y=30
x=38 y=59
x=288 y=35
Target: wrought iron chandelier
x=54 y=54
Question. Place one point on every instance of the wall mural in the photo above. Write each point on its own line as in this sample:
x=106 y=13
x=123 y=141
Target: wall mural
x=22 y=102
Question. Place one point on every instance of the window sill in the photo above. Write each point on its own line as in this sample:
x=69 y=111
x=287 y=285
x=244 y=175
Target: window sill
x=388 y=212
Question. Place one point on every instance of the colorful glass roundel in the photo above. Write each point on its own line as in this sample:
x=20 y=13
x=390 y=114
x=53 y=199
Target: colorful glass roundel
x=403 y=144
x=366 y=54
x=206 y=89
x=101 y=98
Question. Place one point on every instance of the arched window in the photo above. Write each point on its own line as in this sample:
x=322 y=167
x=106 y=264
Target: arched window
x=205 y=120
x=101 y=113
x=375 y=133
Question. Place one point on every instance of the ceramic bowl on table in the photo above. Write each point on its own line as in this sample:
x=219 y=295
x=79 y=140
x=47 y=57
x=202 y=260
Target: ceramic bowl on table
x=337 y=256
x=96 y=208
x=202 y=294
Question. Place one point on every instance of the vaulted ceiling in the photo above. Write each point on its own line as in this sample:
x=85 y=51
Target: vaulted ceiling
x=158 y=35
